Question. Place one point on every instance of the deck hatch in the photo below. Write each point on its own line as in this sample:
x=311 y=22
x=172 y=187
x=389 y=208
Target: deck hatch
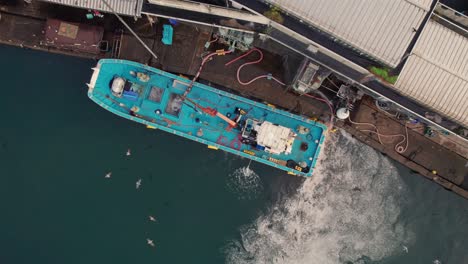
x=156 y=94
x=174 y=104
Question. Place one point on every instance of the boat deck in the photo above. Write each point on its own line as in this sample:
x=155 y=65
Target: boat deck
x=155 y=98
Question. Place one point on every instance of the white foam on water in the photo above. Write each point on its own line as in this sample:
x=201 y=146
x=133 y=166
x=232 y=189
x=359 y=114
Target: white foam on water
x=346 y=213
x=245 y=183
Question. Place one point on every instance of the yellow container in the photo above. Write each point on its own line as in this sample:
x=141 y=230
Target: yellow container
x=249 y=152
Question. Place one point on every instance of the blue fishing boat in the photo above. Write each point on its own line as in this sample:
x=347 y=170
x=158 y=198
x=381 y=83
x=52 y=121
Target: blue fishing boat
x=207 y=115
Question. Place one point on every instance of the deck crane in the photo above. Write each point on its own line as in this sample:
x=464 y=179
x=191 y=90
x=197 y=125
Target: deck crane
x=208 y=110
x=213 y=112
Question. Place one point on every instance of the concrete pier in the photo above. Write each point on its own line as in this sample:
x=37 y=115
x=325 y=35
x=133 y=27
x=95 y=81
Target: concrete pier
x=442 y=158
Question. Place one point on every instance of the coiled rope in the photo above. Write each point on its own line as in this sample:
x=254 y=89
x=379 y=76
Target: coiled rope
x=268 y=76
x=398 y=147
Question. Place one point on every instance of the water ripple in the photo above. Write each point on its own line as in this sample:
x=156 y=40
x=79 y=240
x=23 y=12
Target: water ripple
x=244 y=183
x=347 y=213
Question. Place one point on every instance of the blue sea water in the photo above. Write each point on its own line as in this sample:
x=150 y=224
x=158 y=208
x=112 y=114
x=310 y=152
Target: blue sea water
x=57 y=207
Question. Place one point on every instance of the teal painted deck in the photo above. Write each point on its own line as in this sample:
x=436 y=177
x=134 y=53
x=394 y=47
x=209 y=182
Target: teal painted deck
x=189 y=121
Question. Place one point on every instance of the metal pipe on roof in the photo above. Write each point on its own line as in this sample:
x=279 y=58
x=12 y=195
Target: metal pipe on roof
x=198 y=22
x=212 y=10
x=419 y=5
x=123 y=7
x=128 y=27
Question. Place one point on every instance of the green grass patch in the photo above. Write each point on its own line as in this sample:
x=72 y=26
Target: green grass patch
x=384 y=74
x=274 y=14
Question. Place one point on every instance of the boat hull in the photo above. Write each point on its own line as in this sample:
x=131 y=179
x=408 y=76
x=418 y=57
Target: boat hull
x=207 y=115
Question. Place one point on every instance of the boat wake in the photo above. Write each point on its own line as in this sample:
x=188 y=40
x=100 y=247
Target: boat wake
x=245 y=183
x=346 y=213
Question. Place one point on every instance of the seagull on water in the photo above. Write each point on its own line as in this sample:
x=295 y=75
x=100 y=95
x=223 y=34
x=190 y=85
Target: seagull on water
x=138 y=184
x=108 y=175
x=128 y=152
x=150 y=242
x=152 y=218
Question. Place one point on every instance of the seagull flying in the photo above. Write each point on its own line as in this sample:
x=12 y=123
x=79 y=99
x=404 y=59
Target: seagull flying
x=138 y=184
x=150 y=242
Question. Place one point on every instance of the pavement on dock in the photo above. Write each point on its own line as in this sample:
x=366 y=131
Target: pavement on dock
x=22 y=31
x=421 y=150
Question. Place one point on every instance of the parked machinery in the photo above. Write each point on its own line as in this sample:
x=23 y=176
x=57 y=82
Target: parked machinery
x=309 y=77
x=348 y=96
x=235 y=39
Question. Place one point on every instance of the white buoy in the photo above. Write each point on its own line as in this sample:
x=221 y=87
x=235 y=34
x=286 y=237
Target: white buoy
x=342 y=113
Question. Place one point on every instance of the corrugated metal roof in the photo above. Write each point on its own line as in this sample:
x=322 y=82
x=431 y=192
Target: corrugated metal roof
x=382 y=29
x=436 y=73
x=123 y=7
